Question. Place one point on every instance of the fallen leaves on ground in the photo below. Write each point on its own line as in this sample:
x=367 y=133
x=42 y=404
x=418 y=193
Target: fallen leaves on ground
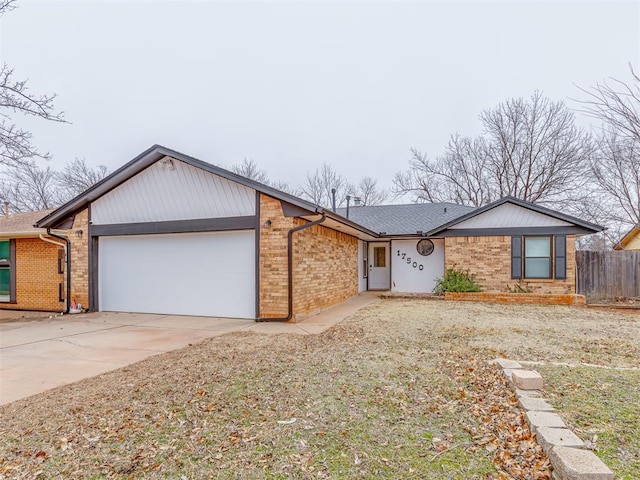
x=502 y=429
x=400 y=390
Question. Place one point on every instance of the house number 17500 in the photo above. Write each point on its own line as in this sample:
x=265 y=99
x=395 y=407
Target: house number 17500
x=409 y=262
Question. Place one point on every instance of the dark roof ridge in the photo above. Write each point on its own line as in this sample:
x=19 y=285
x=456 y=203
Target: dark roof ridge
x=404 y=205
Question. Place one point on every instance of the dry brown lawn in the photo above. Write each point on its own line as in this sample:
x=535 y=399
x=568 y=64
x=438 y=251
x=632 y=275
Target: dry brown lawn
x=402 y=389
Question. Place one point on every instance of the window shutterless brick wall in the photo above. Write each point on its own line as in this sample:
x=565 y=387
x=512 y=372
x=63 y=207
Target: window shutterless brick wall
x=79 y=251
x=489 y=259
x=37 y=277
x=273 y=258
x=325 y=264
x=325 y=268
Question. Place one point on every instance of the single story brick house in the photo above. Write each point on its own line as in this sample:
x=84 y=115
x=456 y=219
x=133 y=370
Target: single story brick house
x=32 y=267
x=168 y=233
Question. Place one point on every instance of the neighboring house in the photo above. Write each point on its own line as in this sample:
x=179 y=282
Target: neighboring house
x=167 y=233
x=631 y=241
x=31 y=265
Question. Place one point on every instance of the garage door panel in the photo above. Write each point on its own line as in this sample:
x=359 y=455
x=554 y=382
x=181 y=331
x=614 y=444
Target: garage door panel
x=210 y=274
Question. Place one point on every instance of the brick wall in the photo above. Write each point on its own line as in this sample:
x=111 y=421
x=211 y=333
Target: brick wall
x=325 y=264
x=79 y=252
x=520 y=298
x=273 y=258
x=489 y=259
x=37 y=277
x=325 y=269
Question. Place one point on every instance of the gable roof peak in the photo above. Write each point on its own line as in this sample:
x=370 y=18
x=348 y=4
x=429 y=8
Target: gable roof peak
x=147 y=158
x=592 y=227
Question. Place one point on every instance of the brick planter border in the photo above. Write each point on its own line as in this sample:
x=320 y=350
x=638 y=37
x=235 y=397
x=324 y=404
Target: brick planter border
x=523 y=298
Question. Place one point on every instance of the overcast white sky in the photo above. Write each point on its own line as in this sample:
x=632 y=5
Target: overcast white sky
x=294 y=84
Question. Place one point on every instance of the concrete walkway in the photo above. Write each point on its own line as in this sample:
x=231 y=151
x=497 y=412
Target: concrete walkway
x=40 y=354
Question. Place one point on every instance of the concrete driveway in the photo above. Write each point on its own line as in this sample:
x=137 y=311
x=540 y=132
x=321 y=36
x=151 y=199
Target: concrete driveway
x=40 y=354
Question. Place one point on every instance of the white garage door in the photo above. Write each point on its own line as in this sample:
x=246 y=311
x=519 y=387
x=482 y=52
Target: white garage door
x=210 y=274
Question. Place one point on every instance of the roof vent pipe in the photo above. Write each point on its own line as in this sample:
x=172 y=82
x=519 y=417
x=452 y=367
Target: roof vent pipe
x=333 y=199
x=348 y=200
x=6 y=208
x=445 y=209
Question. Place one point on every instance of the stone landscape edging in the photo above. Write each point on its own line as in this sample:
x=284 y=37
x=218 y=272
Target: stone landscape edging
x=569 y=456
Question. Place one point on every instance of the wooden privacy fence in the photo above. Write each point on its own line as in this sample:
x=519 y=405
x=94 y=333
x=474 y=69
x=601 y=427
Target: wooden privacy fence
x=608 y=275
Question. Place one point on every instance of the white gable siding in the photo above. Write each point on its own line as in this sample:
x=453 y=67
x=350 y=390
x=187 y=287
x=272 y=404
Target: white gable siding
x=160 y=193
x=509 y=215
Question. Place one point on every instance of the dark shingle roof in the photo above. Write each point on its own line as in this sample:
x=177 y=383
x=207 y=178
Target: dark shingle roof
x=405 y=219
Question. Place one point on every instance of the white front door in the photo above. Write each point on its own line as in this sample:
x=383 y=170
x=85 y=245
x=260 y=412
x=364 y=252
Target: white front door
x=379 y=266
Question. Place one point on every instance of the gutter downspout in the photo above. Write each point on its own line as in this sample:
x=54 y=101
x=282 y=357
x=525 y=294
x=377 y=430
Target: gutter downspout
x=290 y=271
x=68 y=272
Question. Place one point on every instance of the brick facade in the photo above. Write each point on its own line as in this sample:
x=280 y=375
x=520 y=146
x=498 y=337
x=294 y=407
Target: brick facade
x=325 y=269
x=79 y=251
x=273 y=258
x=37 y=277
x=325 y=264
x=489 y=259
x=520 y=298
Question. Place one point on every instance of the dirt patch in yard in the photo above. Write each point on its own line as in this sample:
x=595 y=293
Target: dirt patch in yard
x=402 y=389
x=27 y=315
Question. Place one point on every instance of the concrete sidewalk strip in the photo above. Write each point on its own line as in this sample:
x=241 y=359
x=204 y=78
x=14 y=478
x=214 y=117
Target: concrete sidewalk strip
x=144 y=338
x=22 y=333
x=55 y=373
x=37 y=355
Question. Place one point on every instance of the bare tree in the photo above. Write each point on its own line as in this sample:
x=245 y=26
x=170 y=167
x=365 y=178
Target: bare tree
x=318 y=186
x=249 y=169
x=77 y=176
x=616 y=168
x=461 y=175
x=28 y=187
x=369 y=193
x=530 y=149
x=282 y=186
x=616 y=164
x=15 y=97
x=616 y=104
